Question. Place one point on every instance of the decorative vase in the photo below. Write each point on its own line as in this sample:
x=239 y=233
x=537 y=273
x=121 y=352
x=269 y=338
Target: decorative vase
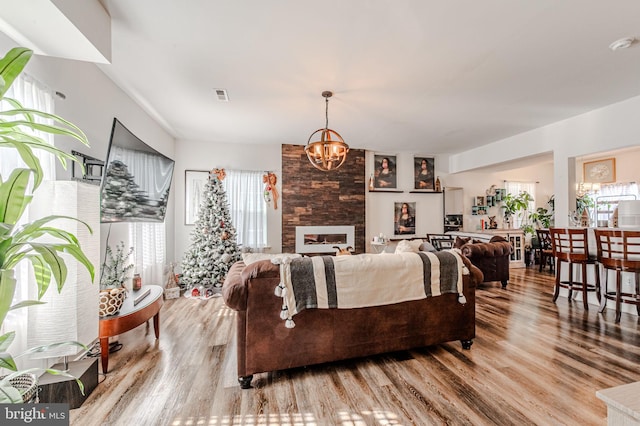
x=27 y=385
x=438 y=186
x=111 y=301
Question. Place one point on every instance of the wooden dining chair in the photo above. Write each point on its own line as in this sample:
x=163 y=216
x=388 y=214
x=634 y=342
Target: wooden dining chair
x=619 y=251
x=545 y=249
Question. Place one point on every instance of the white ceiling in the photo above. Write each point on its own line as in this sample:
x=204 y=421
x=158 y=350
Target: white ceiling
x=427 y=76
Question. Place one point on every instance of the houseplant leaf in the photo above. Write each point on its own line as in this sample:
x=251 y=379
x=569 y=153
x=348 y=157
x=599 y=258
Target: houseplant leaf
x=7 y=289
x=42 y=273
x=6 y=340
x=13 y=198
x=56 y=264
x=12 y=65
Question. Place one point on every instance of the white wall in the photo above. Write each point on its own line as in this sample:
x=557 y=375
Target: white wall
x=626 y=165
x=380 y=205
x=613 y=127
x=476 y=183
x=192 y=155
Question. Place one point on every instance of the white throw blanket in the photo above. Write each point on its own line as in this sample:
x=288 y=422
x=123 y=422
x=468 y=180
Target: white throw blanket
x=366 y=280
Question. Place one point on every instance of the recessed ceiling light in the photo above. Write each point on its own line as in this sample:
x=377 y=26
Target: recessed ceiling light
x=222 y=95
x=623 y=43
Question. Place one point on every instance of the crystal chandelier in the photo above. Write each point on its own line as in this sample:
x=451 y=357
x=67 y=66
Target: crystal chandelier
x=329 y=150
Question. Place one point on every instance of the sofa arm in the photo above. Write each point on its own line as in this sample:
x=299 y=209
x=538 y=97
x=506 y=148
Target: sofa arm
x=234 y=292
x=476 y=274
x=236 y=284
x=494 y=249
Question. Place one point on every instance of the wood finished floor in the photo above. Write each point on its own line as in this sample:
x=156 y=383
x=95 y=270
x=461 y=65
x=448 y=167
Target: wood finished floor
x=532 y=362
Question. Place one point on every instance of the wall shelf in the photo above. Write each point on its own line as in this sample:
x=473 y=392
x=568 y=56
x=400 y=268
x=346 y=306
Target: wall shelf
x=425 y=192
x=385 y=190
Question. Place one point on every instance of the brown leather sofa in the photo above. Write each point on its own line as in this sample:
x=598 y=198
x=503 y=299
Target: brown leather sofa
x=491 y=258
x=322 y=335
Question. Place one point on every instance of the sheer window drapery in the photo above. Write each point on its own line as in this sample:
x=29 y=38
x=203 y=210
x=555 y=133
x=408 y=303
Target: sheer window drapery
x=149 y=244
x=607 y=196
x=247 y=207
x=35 y=95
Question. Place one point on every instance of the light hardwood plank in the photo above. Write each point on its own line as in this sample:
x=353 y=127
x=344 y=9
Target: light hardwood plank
x=533 y=362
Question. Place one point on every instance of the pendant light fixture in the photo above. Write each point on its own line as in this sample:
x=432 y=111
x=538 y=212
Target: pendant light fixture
x=329 y=150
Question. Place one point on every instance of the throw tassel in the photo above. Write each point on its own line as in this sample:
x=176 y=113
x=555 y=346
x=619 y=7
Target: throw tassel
x=461 y=299
x=289 y=323
x=284 y=313
x=279 y=290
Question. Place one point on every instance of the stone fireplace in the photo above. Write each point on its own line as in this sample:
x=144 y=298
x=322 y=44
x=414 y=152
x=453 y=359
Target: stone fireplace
x=311 y=197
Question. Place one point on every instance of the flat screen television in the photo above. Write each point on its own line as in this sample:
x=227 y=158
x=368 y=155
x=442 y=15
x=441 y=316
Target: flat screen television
x=136 y=180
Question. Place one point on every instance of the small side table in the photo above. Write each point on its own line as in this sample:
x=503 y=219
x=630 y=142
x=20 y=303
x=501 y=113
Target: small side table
x=378 y=247
x=130 y=317
x=623 y=404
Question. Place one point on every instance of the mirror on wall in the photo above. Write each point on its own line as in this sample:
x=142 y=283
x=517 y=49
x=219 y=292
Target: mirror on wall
x=453 y=209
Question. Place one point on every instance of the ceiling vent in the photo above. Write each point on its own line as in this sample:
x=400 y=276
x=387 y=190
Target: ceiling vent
x=222 y=95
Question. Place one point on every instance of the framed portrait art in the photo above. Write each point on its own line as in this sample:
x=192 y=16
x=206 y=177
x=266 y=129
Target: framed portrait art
x=194 y=182
x=404 y=218
x=384 y=172
x=600 y=171
x=424 y=171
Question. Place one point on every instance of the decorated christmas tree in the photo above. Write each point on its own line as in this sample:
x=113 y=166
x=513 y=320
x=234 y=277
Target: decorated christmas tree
x=213 y=241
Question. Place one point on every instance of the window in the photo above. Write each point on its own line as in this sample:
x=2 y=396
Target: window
x=247 y=207
x=515 y=189
x=31 y=94
x=606 y=198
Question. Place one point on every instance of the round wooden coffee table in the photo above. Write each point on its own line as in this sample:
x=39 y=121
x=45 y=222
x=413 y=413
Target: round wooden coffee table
x=129 y=317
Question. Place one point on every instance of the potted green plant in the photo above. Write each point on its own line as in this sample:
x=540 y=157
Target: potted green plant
x=115 y=271
x=519 y=205
x=515 y=204
x=541 y=218
x=20 y=242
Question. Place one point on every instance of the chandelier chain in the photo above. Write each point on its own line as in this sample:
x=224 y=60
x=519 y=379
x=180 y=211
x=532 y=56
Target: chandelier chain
x=326 y=113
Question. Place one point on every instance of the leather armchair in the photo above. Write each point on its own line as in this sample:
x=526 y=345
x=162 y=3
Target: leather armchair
x=491 y=258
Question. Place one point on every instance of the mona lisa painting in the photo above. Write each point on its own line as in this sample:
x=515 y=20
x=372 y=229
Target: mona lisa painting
x=424 y=173
x=404 y=218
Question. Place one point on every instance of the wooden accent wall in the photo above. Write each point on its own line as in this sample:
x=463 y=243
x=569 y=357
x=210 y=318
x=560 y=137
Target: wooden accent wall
x=311 y=197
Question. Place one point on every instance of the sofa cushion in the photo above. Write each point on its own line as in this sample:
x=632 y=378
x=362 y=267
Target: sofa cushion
x=409 y=246
x=427 y=246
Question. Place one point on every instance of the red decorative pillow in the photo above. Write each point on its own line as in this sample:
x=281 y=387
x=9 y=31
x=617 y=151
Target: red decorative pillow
x=459 y=242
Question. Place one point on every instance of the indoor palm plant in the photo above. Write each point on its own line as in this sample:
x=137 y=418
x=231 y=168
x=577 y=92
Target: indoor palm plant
x=23 y=241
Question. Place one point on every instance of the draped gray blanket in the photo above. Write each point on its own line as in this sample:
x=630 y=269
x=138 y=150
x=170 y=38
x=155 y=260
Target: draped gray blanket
x=365 y=280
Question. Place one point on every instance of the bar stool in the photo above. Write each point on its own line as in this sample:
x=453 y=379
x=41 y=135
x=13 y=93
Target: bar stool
x=571 y=246
x=619 y=251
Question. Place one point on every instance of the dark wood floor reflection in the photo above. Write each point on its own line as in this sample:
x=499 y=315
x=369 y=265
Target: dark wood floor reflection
x=532 y=362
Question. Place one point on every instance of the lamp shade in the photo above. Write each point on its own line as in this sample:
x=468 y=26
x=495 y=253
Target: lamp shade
x=71 y=315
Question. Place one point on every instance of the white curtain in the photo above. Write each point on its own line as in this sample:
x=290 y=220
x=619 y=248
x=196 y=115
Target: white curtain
x=515 y=188
x=626 y=188
x=247 y=207
x=149 y=244
x=607 y=197
x=31 y=94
